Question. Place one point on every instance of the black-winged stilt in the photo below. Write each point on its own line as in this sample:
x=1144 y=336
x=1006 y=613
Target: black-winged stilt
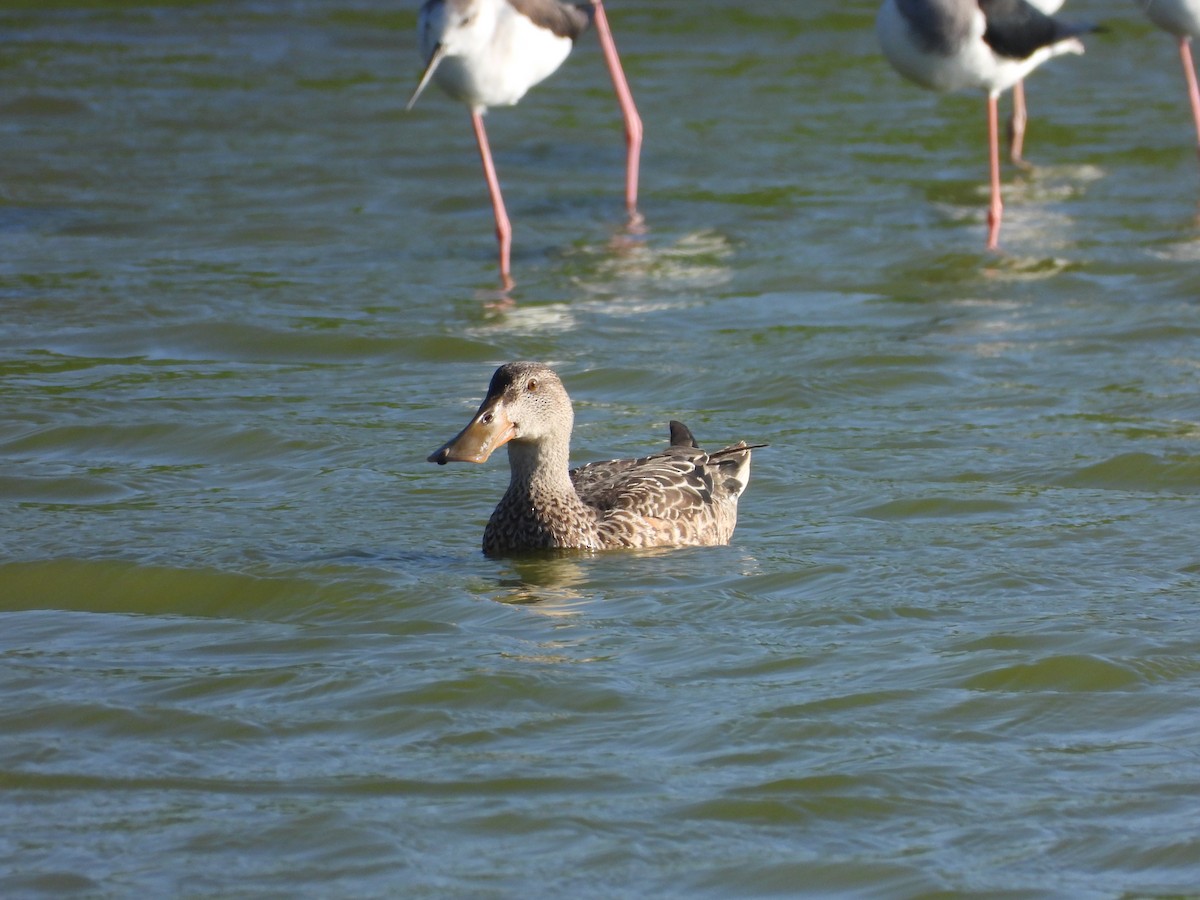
x=490 y=52
x=950 y=45
x=1182 y=19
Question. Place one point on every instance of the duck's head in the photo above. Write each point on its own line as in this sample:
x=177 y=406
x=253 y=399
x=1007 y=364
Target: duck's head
x=526 y=403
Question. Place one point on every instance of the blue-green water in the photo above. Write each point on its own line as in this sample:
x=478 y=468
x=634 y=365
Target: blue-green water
x=248 y=644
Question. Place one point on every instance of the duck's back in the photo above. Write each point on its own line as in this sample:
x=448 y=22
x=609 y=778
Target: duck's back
x=682 y=496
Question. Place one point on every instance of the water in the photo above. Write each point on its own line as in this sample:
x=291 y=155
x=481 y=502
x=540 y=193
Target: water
x=248 y=645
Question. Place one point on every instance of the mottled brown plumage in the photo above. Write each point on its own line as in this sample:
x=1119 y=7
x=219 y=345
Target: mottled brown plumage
x=682 y=496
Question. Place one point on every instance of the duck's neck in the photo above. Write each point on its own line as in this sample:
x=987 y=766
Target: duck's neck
x=541 y=470
x=541 y=509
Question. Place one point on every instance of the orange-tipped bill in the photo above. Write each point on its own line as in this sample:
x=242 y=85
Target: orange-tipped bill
x=488 y=430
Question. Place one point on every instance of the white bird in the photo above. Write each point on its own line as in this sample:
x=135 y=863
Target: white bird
x=1020 y=115
x=1182 y=19
x=490 y=52
x=950 y=45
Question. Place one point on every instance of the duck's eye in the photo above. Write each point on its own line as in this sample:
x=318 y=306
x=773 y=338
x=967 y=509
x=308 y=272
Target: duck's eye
x=532 y=386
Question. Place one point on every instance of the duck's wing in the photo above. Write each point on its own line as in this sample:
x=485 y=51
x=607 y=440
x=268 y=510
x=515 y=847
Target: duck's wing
x=678 y=483
x=633 y=483
x=672 y=484
x=681 y=496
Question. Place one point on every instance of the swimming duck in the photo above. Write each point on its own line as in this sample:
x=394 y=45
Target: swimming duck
x=680 y=497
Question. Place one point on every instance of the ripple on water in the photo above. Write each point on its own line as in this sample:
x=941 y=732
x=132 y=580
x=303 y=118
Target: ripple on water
x=1058 y=673
x=943 y=508
x=117 y=586
x=249 y=643
x=1139 y=472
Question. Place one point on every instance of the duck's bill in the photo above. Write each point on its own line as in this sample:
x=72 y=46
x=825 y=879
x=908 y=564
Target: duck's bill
x=488 y=430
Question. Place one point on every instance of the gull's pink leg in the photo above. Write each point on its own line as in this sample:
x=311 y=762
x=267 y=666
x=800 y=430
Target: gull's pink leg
x=503 y=226
x=633 y=122
x=1016 y=125
x=1189 y=71
x=997 y=208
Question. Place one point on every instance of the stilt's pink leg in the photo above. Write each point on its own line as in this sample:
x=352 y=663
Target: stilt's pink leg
x=633 y=122
x=997 y=208
x=1189 y=71
x=503 y=226
x=1016 y=125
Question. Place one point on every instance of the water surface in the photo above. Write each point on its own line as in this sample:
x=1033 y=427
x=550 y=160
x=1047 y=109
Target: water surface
x=248 y=644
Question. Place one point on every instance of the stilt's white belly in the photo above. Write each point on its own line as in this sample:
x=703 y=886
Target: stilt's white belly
x=500 y=70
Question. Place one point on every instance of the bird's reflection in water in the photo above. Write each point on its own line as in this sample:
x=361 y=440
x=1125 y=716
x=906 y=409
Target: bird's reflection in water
x=621 y=270
x=693 y=259
x=563 y=583
x=548 y=583
x=549 y=586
